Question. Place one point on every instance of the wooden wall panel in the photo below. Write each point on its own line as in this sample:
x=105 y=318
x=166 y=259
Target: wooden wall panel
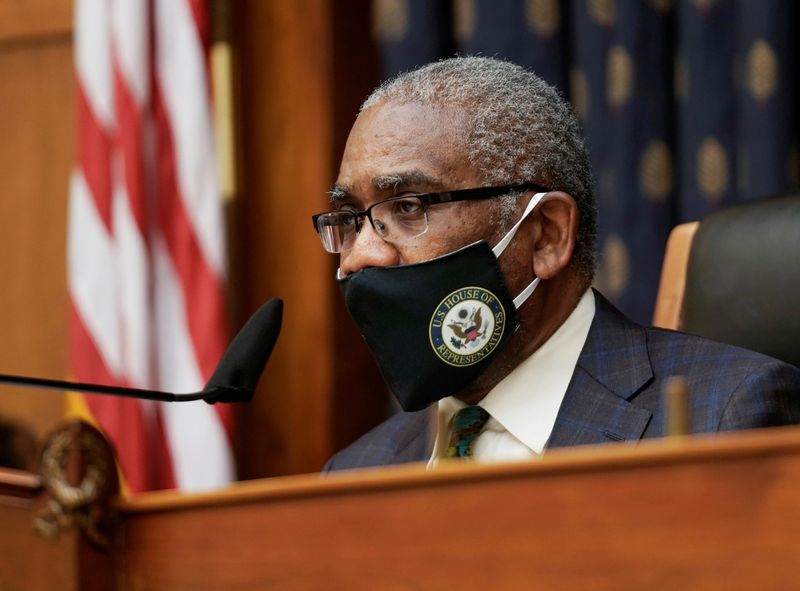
x=360 y=399
x=34 y=19
x=36 y=153
x=304 y=70
x=287 y=145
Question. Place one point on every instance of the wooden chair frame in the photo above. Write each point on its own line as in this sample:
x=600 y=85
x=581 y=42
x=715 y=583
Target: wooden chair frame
x=671 y=287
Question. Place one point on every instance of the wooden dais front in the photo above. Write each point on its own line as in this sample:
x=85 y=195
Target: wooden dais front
x=697 y=514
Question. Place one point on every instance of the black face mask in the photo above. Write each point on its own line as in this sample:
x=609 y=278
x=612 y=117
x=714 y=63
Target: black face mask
x=433 y=327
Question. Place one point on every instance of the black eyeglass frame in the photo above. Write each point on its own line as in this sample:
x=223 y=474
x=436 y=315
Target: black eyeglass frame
x=428 y=199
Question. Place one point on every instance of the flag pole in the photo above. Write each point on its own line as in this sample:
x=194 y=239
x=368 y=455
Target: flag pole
x=222 y=80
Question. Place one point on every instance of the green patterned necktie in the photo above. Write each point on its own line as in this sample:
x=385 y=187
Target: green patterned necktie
x=466 y=426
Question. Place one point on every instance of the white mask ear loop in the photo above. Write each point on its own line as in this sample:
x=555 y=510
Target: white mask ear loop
x=501 y=246
x=525 y=293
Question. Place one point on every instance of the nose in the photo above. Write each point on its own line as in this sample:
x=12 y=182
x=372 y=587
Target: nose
x=368 y=250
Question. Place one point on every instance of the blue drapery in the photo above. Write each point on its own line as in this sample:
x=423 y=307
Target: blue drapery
x=686 y=105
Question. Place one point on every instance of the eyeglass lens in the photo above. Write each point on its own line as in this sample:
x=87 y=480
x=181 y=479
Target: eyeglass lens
x=399 y=218
x=394 y=220
x=334 y=228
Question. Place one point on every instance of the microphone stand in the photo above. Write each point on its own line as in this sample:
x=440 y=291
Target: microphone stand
x=62 y=385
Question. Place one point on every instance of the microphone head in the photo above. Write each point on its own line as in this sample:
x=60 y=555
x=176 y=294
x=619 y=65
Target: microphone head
x=236 y=375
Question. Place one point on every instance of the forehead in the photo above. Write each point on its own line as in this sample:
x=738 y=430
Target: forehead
x=390 y=139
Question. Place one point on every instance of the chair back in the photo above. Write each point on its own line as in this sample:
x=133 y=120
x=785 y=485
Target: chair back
x=743 y=278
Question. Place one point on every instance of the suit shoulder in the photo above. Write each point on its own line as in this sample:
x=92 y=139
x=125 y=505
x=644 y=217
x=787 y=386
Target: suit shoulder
x=683 y=350
x=383 y=444
x=734 y=388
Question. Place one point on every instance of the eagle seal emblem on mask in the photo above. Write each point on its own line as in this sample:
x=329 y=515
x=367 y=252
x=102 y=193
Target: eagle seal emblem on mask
x=467 y=326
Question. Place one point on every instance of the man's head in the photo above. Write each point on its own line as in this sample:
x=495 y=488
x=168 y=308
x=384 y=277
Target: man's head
x=465 y=123
x=510 y=128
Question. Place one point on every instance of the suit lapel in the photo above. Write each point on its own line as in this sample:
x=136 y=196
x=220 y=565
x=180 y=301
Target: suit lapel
x=412 y=442
x=612 y=368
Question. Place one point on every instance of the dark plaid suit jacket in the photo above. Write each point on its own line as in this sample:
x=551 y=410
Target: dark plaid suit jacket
x=615 y=393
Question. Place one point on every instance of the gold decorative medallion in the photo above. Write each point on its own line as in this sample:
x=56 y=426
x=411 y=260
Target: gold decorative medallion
x=613 y=273
x=762 y=71
x=543 y=17
x=619 y=77
x=464 y=19
x=579 y=92
x=713 y=170
x=655 y=171
x=389 y=20
x=85 y=504
x=603 y=12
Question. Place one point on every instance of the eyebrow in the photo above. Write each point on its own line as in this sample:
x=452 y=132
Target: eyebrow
x=338 y=192
x=402 y=180
x=394 y=182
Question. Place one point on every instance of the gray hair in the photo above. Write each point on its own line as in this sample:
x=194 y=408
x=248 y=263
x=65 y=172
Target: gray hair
x=519 y=129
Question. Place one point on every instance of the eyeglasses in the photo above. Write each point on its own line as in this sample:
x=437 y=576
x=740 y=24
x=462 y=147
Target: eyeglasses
x=398 y=219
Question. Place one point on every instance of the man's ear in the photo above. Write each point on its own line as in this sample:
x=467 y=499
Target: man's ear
x=555 y=231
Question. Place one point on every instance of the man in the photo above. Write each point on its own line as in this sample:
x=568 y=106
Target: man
x=464 y=220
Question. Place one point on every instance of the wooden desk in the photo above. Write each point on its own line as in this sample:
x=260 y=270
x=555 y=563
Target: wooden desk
x=698 y=514
x=27 y=561
x=713 y=514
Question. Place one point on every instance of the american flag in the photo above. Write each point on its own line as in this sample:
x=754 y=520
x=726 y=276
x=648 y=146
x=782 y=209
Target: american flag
x=146 y=254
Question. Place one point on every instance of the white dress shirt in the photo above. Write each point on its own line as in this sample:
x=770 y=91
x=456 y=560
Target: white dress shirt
x=523 y=406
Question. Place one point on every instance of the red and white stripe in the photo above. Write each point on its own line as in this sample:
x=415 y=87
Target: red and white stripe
x=146 y=242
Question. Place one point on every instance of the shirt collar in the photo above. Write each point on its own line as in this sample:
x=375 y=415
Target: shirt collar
x=526 y=401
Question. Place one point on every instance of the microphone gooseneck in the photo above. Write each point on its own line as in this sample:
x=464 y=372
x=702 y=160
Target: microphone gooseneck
x=234 y=379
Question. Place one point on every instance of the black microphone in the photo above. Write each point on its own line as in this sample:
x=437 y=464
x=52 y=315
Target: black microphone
x=234 y=379
x=241 y=365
